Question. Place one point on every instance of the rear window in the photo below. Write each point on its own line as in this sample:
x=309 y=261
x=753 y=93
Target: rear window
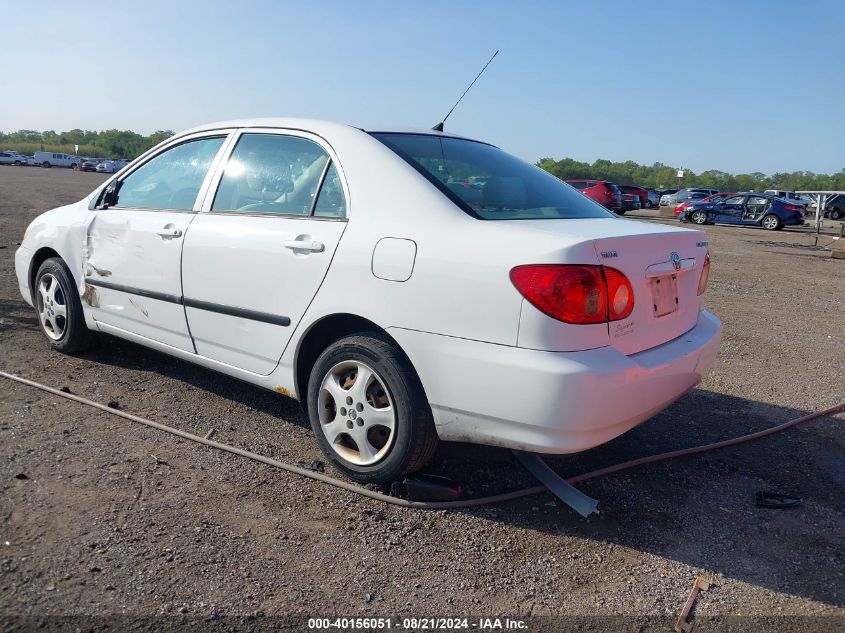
x=488 y=183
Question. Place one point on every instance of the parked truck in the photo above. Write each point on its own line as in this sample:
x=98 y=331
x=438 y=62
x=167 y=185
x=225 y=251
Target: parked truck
x=56 y=159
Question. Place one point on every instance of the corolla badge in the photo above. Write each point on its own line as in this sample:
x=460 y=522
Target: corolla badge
x=676 y=261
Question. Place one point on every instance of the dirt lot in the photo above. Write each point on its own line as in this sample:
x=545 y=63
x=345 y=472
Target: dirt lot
x=103 y=517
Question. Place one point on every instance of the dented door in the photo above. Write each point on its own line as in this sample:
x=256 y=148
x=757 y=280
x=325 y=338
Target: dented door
x=132 y=273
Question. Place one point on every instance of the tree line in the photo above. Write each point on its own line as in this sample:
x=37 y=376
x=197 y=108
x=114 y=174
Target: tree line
x=128 y=144
x=660 y=176
x=105 y=144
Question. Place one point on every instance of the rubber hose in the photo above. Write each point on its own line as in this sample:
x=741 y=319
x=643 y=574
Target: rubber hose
x=426 y=505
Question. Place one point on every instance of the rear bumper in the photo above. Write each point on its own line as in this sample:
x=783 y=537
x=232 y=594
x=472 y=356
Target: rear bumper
x=553 y=402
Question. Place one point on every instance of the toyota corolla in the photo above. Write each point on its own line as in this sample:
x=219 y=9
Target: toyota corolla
x=406 y=287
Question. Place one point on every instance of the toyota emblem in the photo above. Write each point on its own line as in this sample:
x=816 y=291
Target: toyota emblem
x=676 y=261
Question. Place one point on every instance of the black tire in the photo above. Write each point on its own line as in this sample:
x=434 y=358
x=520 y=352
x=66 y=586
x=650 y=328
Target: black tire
x=46 y=164
x=771 y=222
x=414 y=438
x=698 y=217
x=835 y=214
x=18 y=163
x=75 y=335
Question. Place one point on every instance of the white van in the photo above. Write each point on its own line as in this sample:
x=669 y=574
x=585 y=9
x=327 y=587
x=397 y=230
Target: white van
x=55 y=159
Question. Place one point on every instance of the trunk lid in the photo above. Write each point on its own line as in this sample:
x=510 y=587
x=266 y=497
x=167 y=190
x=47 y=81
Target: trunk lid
x=664 y=268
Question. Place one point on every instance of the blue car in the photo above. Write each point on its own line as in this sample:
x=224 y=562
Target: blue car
x=750 y=209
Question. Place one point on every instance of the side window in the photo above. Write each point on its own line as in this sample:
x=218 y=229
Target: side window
x=734 y=200
x=271 y=173
x=331 y=202
x=757 y=201
x=172 y=179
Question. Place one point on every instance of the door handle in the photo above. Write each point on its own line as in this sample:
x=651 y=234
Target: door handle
x=169 y=232
x=305 y=245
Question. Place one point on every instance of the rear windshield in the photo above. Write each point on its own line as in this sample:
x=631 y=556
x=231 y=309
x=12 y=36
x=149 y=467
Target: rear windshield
x=489 y=184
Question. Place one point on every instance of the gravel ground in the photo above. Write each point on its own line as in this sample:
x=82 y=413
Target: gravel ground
x=102 y=517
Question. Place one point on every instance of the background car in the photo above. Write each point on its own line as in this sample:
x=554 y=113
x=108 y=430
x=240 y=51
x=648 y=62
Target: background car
x=604 y=192
x=760 y=209
x=653 y=198
x=89 y=164
x=630 y=202
x=12 y=158
x=835 y=207
x=108 y=167
x=641 y=193
x=716 y=197
x=682 y=195
x=789 y=196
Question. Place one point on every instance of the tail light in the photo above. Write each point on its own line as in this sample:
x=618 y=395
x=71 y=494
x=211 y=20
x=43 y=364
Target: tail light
x=575 y=293
x=705 y=275
x=793 y=207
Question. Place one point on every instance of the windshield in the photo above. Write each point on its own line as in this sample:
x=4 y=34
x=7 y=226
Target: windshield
x=489 y=184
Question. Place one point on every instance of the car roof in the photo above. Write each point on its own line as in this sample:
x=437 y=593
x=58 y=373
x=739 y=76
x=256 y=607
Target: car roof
x=317 y=126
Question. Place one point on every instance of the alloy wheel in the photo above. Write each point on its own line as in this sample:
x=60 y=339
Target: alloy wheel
x=770 y=222
x=51 y=304
x=356 y=412
x=699 y=217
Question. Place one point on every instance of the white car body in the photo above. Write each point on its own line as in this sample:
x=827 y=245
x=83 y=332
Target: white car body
x=495 y=369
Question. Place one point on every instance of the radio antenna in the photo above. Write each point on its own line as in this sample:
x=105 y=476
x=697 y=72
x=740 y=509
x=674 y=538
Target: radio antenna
x=439 y=126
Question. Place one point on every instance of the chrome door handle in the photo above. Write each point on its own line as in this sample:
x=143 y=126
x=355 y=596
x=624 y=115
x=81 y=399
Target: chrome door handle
x=303 y=245
x=166 y=232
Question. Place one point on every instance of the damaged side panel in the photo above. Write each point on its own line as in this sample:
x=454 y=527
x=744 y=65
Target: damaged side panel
x=132 y=278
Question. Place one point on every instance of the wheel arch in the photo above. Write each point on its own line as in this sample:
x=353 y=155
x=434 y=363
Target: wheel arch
x=39 y=257
x=323 y=333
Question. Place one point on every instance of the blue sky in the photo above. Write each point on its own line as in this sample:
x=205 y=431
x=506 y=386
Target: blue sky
x=737 y=86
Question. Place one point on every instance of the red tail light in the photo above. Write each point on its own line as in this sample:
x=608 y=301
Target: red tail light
x=705 y=275
x=575 y=293
x=793 y=207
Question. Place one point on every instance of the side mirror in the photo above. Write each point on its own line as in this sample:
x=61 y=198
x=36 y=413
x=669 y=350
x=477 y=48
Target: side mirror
x=109 y=196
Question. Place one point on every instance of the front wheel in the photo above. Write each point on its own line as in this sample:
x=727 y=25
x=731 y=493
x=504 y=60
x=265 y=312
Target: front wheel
x=835 y=214
x=771 y=222
x=368 y=410
x=59 y=308
x=699 y=217
x=46 y=164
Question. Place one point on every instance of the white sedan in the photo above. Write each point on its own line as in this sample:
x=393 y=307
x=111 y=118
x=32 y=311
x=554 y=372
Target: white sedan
x=404 y=286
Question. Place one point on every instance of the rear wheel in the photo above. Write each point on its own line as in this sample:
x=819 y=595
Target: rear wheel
x=59 y=308
x=835 y=214
x=46 y=164
x=699 y=217
x=368 y=410
x=771 y=222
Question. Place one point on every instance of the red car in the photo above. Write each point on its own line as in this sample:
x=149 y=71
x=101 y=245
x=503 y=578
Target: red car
x=716 y=197
x=641 y=193
x=605 y=193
